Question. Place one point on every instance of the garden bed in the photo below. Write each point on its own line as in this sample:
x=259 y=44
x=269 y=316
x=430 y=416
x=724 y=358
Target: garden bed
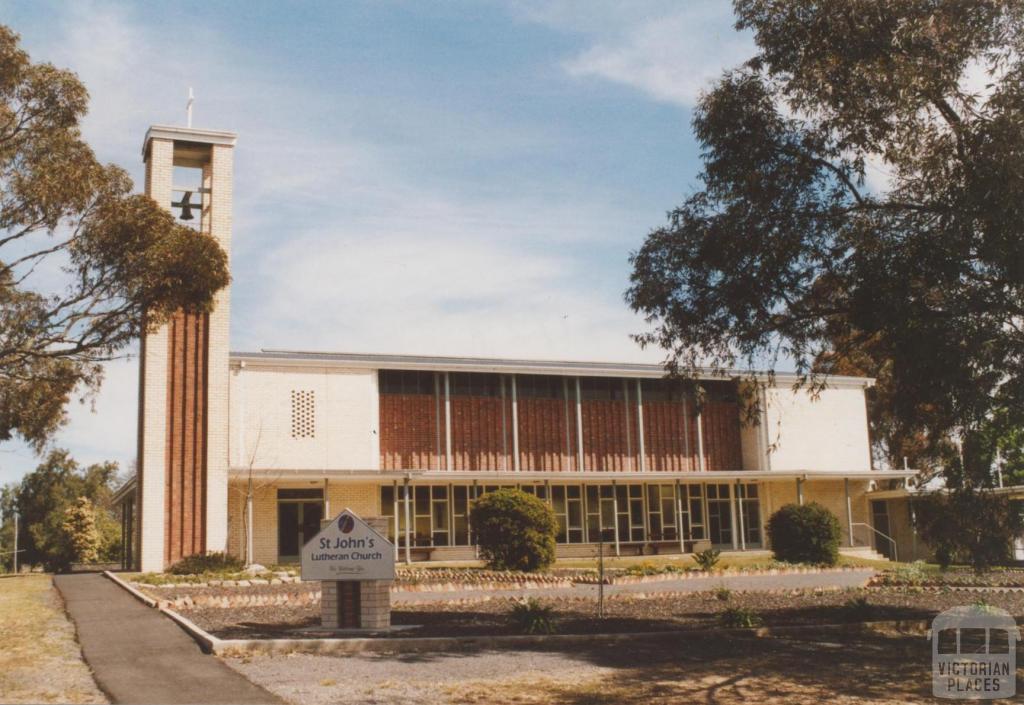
x=623 y=613
x=916 y=575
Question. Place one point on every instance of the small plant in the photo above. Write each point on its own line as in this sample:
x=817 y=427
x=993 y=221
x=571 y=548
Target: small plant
x=722 y=593
x=741 y=618
x=213 y=562
x=530 y=616
x=707 y=559
x=858 y=609
x=983 y=606
x=807 y=533
x=912 y=574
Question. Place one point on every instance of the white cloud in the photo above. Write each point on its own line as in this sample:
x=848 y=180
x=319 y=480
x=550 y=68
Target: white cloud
x=338 y=244
x=671 y=51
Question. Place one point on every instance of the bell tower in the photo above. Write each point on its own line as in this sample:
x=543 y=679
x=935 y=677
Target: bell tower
x=183 y=368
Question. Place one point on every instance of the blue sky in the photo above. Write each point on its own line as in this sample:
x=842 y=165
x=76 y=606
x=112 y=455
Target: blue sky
x=421 y=177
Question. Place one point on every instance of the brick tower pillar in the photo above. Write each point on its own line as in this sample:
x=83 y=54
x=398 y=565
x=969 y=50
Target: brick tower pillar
x=183 y=371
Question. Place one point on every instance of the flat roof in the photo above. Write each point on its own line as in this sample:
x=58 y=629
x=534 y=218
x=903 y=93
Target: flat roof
x=303 y=358
x=177 y=133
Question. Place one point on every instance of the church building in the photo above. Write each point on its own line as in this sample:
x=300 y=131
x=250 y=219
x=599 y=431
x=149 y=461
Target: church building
x=246 y=452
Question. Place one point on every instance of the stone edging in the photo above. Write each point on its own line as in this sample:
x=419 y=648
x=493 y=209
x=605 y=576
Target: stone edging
x=138 y=595
x=727 y=573
x=534 y=583
x=232 y=647
x=396 y=645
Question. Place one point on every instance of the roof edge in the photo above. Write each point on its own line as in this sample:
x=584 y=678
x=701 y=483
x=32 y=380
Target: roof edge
x=301 y=358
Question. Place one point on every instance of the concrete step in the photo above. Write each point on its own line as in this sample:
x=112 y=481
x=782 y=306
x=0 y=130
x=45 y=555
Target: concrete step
x=866 y=552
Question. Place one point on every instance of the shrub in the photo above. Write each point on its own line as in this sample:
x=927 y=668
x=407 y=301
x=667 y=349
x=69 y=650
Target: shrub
x=950 y=523
x=722 y=593
x=515 y=530
x=530 y=616
x=741 y=617
x=213 y=562
x=707 y=559
x=804 y=534
x=79 y=529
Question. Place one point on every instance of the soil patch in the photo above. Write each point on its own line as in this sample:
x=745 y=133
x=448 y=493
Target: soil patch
x=623 y=612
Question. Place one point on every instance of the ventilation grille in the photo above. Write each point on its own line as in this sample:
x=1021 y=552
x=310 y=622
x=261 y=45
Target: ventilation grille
x=303 y=413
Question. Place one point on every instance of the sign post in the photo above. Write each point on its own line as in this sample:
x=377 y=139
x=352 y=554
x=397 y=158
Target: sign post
x=355 y=564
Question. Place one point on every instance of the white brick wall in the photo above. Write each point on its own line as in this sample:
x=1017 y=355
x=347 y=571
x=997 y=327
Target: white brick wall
x=346 y=435
x=220 y=175
x=830 y=433
x=153 y=382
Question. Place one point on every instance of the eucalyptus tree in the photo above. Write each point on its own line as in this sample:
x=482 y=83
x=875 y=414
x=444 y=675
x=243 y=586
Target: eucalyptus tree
x=85 y=265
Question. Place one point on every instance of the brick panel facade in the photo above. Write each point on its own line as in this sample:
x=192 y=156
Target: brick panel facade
x=670 y=439
x=721 y=420
x=409 y=432
x=547 y=435
x=185 y=477
x=610 y=441
x=480 y=440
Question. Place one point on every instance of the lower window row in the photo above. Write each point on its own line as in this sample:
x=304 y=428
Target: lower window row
x=638 y=513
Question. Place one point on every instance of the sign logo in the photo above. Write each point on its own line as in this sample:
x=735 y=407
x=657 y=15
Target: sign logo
x=346 y=523
x=974 y=653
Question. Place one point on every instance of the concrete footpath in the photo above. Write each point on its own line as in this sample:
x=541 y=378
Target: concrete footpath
x=838 y=579
x=140 y=656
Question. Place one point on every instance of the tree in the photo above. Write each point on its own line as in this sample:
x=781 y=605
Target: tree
x=79 y=529
x=515 y=530
x=968 y=526
x=126 y=263
x=41 y=500
x=807 y=533
x=790 y=253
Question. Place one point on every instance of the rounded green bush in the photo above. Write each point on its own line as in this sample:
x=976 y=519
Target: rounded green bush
x=804 y=534
x=515 y=530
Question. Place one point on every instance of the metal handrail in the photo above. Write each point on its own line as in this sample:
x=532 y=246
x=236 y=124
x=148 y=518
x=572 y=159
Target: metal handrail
x=890 y=539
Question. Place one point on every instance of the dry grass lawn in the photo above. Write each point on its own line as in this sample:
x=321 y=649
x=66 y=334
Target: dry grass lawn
x=40 y=661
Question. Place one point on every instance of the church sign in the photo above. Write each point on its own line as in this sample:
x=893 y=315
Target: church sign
x=348 y=548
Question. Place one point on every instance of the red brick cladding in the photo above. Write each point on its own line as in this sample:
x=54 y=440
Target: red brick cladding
x=670 y=438
x=185 y=480
x=543 y=430
x=412 y=425
x=478 y=440
x=721 y=421
x=609 y=414
x=409 y=432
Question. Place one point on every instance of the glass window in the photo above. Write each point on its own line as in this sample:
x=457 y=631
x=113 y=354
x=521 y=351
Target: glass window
x=539 y=386
x=473 y=384
x=601 y=388
x=719 y=514
x=661 y=512
x=406 y=382
x=663 y=390
x=751 y=513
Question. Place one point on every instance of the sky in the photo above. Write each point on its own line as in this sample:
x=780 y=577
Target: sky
x=464 y=178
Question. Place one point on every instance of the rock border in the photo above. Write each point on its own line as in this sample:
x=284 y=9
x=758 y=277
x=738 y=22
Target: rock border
x=396 y=645
x=530 y=582
x=409 y=645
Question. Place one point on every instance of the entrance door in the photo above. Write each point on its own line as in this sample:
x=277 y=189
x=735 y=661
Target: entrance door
x=298 y=520
x=880 y=520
